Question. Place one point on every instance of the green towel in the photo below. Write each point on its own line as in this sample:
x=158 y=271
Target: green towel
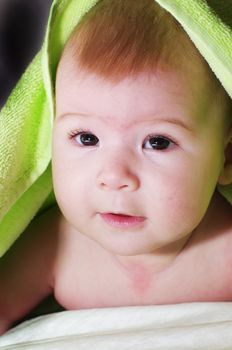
x=27 y=118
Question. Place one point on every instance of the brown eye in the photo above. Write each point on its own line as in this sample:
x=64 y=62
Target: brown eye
x=87 y=139
x=157 y=143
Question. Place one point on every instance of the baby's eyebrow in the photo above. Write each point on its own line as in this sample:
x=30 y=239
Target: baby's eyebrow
x=72 y=114
x=179 y=123
x=171 y=120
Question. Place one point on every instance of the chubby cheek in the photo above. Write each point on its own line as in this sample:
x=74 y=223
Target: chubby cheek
x=71 y=184
x=178 y=201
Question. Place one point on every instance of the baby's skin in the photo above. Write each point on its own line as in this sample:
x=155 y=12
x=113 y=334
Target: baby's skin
x=135 y=165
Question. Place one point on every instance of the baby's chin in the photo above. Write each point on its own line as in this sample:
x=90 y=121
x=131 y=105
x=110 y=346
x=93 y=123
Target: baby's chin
x=129 y=247
x=141 y=249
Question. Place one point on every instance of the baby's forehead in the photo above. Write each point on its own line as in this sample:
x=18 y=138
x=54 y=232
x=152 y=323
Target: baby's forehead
x=205 y=104
x=161 y=93
x=192 y=70
x=191 y=74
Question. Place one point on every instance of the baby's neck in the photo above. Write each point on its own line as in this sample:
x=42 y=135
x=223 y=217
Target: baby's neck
x=142 y=272
x=153 y=263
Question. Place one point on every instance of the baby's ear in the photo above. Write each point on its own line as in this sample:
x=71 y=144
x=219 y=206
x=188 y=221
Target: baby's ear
x=225 y=177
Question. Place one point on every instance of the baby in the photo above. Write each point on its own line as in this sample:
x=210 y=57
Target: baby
x=141 y=140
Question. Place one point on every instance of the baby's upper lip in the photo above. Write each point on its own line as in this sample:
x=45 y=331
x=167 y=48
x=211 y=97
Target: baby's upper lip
x=122 y=214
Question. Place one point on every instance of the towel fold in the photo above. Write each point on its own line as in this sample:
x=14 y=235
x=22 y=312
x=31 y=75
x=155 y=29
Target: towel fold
x=27 y=118
x=188 y=326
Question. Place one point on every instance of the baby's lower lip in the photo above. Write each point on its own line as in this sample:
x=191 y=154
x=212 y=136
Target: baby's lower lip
x=121 y=220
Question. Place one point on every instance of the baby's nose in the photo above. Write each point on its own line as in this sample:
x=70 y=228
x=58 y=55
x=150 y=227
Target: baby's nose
x=116 y=176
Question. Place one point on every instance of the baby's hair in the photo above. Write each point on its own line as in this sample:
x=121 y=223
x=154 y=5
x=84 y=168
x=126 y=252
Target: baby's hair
x=117 y=38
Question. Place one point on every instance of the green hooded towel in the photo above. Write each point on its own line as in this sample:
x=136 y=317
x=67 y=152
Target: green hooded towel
x=27 y=118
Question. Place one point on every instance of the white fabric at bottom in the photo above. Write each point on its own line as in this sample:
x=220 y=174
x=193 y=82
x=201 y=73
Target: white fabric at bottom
x=181 y=326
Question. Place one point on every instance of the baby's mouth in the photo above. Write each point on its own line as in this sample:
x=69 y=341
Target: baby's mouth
x=122 y=220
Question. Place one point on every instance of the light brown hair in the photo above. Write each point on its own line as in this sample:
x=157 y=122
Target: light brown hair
x=120 y=37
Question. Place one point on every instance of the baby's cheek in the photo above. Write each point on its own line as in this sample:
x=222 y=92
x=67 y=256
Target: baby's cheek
x=189 y=203
x=73 y=196
x=179 y=203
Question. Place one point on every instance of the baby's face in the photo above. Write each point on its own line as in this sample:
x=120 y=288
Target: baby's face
x=149 y=147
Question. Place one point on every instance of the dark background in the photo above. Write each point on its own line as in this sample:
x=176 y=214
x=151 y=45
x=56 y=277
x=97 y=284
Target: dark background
x=22 y=28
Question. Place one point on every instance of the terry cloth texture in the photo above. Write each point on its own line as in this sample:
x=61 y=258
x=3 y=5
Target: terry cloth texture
x=27 y=118
x=190 y=326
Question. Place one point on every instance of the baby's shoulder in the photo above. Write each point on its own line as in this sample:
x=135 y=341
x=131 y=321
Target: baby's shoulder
x=39 y=244
x=28 y=266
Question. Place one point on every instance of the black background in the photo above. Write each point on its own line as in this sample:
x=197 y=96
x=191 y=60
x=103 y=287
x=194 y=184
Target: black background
x=22 y=27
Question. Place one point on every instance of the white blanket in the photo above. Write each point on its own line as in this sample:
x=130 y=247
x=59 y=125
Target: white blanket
x=182 y=326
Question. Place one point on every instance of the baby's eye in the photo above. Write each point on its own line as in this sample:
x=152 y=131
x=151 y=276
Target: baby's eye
x=86 y=139
x=157 y=143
